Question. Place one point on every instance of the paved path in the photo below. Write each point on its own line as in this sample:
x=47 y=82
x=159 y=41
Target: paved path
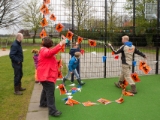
x=3 y=53
x=34 y=111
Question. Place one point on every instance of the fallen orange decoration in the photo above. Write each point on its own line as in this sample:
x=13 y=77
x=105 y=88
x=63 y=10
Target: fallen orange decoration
x=71 y=102
x=120 y=100
x=125 y=93
x=62 y=89
x=88 y=103
x=104 y=101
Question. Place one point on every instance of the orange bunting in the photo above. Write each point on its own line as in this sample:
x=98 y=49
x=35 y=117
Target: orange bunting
x=120 y=100
x=53 y=17
x=113 y=53
x=59 y=27
x=79 y=39
x=43 y=33
x=63 y=48
x=135 y=77
x=125 y=93
x=116 y=57
x=89 y=103
x=104 y=101
x=71 y=102
x=60 y=75
x=69 y=35
x=44 y=10
x=92 y=43
x=124 y=85
x=60 y=63
x=62 y=89
x=82 y=51
x=44 y=22
x=46 y=1
x=141 y=64
x=146 y=69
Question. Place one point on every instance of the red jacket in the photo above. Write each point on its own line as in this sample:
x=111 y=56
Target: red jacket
x=47 y=64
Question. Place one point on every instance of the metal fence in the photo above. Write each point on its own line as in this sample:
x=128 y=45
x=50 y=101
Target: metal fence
x=107 y=21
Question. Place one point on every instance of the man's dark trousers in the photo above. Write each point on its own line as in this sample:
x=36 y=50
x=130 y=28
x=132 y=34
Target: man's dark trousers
x=18 y=73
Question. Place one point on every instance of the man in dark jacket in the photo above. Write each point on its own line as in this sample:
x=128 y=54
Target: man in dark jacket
x=16 y=56
x=127 y=51
x=72 y=51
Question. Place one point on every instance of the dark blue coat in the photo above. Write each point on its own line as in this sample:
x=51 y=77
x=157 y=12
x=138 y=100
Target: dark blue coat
x=73 y=50
x=16 y=53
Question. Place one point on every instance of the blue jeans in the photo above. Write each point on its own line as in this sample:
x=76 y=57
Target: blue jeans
x=75 y=73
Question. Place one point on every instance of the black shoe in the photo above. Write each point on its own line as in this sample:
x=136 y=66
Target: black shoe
x=43 y=106
x=80 y=83
x=57 y=114
x=63 y=81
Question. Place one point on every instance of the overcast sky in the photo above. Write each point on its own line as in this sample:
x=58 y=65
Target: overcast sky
x=60 y=12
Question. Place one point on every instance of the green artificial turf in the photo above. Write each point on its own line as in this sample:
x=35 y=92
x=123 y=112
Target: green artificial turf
x=143 y=106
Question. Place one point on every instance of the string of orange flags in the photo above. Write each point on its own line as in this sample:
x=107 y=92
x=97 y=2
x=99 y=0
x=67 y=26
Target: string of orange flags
x=59 y=27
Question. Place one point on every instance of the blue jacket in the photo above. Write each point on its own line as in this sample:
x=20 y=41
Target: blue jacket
x=73 y=50
x=73 y=63
x=16 y=53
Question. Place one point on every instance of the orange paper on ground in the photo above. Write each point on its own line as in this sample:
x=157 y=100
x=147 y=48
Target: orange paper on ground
x=124 y=85
x=53 y=17
x=44 y=22
x=71 y=102
x=92 y=43
x=104 y=101
x=89 y=103
x=135 y=77
x=69 y=35
x=59 y=27
x=62 y=89
x=127 y=93
x=120 y=100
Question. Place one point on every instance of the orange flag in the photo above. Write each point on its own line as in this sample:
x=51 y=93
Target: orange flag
x=127 y=93
x=60 y=63
x=71 y=102
x=82 y=51
x=44 y=22
x=120 y=100
x=53 y=17
x=141 y=64
x=62 y=89
x=63 y=48
x=104 y=101
x=124 y=85
x=113 y=53
x=135 y=77
x=44 y=9
x=59 y=27
x=60 y=75
x=92 y=43
x=46 y=1
x=79 y=39
x=146 y=69
x=89 y=103
x=43 y=33
x=69 y=35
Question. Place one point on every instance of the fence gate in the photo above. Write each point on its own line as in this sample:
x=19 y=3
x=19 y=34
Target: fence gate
x=105 y=21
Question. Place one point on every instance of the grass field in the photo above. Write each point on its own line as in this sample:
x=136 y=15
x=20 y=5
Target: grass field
x=143 y=106
x=15 y=107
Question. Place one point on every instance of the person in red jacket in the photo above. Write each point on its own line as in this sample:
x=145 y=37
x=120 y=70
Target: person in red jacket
x=47 y=73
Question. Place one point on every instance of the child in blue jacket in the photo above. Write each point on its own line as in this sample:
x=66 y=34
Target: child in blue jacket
x=73 y=63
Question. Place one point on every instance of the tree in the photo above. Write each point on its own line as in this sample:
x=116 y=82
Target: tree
x=83 y=11
x=31 y=16
x=9 y=12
